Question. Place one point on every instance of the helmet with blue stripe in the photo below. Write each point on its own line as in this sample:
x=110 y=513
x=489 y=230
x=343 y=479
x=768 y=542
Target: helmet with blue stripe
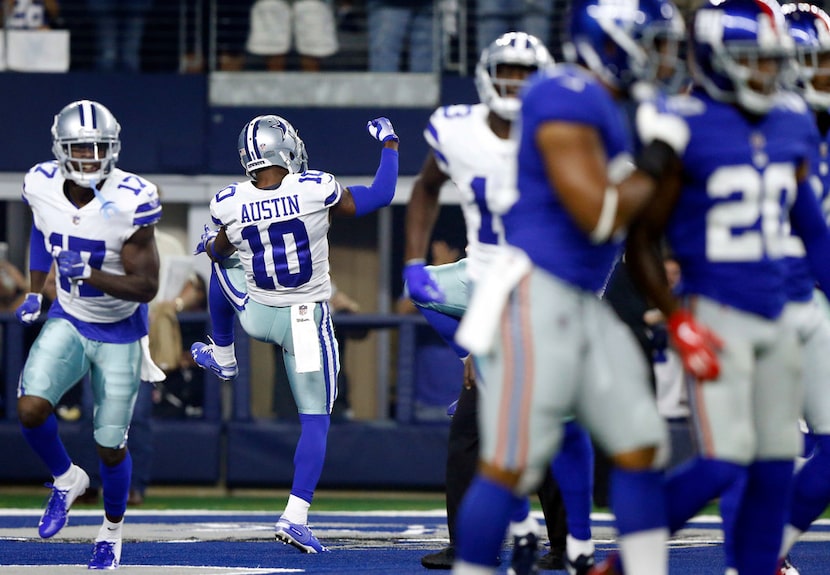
x=500 y=93
x=810 y=29
x=740 y=50
x=618 y=39
x=271 y=141
x=86 y=142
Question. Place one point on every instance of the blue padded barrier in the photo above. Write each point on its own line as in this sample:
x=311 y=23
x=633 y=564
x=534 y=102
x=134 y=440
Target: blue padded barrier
x=381 y=455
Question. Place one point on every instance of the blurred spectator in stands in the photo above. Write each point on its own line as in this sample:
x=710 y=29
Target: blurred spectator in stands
x=32 y=14
x=496 y=17
x=394 y=23
x=311 y=24
x=230 y=28
x=119 y=26
x=13 y=284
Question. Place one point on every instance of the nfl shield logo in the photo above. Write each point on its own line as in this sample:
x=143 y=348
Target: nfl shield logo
x=76 y=219
x=303 y=309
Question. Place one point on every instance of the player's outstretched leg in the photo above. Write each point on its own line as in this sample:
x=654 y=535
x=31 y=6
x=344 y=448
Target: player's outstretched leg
x=69 y=480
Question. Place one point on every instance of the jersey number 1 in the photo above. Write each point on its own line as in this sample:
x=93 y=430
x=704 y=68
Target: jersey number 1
x=290 y=253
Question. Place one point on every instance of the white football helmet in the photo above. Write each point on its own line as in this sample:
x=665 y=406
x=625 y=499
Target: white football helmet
x=514 y=48
x=85 y=141
x=271 y=141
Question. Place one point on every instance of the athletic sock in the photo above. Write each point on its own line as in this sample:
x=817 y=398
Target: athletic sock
x=482 y=522
x=759 y=523
x=639 y=504
x=694 y=484
x=573 y=468
x=46 y=442
x=811 y=490
x=221 y=313
x=296 y=510
x=310 y=455
x=115 y=483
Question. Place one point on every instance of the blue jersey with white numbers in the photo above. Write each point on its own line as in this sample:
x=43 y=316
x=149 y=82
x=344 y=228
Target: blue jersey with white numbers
x=802 y=283
x=730 y=227
x=538 y=223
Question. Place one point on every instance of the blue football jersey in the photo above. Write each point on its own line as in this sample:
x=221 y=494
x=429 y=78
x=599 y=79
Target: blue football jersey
x=538 y=223
x=730 y=228
x=802 y=282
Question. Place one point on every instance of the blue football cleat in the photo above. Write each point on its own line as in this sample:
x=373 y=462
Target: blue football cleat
x=63 y=496
x=105 y=555
x=203 y=356
x=523 y=561
x=582 y=565
x=299 y=536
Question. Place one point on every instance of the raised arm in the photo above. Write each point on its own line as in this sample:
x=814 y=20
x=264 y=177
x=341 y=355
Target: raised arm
x=421 y=214
x=362 y=200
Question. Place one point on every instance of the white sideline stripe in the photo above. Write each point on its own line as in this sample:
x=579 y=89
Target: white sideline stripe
x=12 y=512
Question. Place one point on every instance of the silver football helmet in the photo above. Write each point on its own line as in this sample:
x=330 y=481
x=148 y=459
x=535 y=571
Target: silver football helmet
x=271 y=141
x=513 y=48
x=86 y=142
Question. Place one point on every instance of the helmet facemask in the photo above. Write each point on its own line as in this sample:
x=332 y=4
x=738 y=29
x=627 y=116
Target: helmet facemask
x=85 y=141
x=809 y=27
x=742 y=52
x=813 y=68
x=503 y=69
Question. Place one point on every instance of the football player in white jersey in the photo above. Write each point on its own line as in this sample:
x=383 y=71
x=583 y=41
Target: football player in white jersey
x=271 y=269
x=96 y=222
x=471 y=146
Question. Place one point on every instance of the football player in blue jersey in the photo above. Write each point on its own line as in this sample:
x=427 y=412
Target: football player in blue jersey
x=548 y=347
x=471 y=146
x=809 y=27
x=271 y=269
x=728 y=202
x=96 y=222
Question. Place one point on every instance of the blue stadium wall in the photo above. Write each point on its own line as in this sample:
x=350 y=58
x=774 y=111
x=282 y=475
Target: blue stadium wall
x=168 y=127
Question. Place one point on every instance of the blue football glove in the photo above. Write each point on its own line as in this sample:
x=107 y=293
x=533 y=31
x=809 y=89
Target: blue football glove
x=420 y=284
x=28 y=312
x=207 y=236
x=381 y=129
x=72 y=266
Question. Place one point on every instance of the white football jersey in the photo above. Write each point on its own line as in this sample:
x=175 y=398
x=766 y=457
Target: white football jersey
x=482 y=166
x=281 y=236
x=98 y=237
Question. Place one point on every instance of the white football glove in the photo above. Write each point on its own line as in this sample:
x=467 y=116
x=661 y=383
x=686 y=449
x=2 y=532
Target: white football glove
x=381 y=129
x=655 y=125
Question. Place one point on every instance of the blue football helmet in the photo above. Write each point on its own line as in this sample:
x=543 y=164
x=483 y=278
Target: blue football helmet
x=271 y=141
x=619 y=40
x=810 y=29
x=86 y=142
x=514 y=48
x=740 y=51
